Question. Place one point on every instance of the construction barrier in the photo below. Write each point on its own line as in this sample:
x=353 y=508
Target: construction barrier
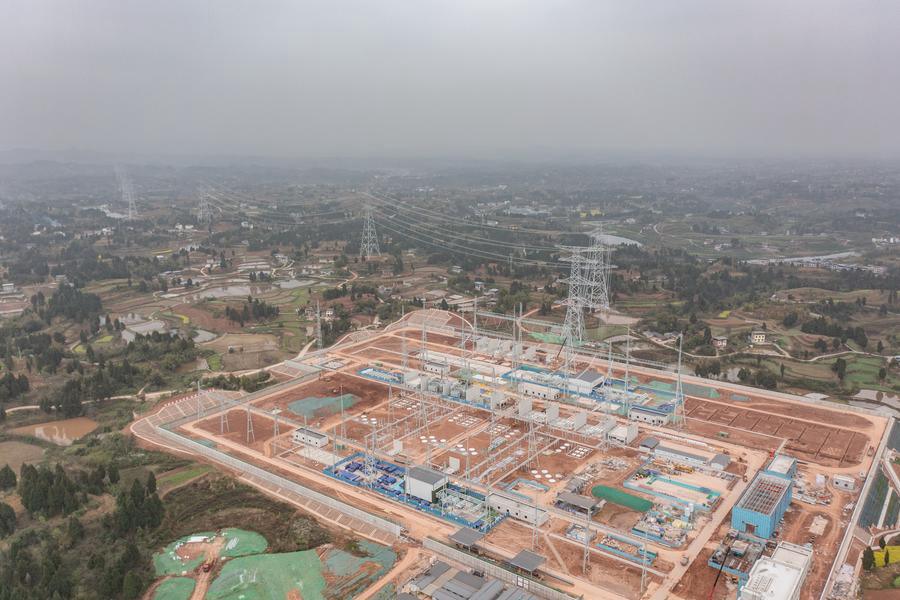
x=248 y=469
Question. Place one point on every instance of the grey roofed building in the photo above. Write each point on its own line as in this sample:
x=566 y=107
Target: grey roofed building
x=682 y=453
x=590 y=376
x=312 y=433
x=516 y=594
x=650 y=443
x=431 y=575
x=489 y=591
x=469 y=579
x=466 y=536
x=585 y=503
x=427 y=475
x=527 y=561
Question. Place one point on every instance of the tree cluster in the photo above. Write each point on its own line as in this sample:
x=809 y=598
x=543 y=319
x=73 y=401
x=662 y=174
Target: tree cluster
x=139 y=508
x=48 y=492
x=253 y=310
x=73 y=304
x=827 y=327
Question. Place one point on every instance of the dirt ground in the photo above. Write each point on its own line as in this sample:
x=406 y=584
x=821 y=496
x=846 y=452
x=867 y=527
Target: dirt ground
x=204 y=319
x=242 y=361
x=608 y=573
x=822 y=444
x=369 y=394
x=15 y=454
x=250 y=342
x=698 y=580
x=617 y=516
x=236 y=428
x=796 y=530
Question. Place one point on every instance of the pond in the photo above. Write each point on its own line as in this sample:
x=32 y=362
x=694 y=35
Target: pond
x=291 y=284
x=202 y=335
x=228 y=291
x=61 y=433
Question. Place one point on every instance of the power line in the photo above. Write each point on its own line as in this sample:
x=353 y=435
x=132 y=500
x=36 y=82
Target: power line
x=501 y=244
x=410 y=207
x=127 y=189
x=447 y=219
x=480 y=254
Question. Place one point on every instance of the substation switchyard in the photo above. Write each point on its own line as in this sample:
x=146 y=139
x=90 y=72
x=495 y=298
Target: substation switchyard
x=549 y=468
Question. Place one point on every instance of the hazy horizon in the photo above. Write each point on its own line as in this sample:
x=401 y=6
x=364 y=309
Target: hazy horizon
x=482 y=80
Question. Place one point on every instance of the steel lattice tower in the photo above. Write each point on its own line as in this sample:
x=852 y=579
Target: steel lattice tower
x=596 y=273
x=588 y=285
x=127 y=190
x=204 y=216
x=573 y=327
x=368 y=246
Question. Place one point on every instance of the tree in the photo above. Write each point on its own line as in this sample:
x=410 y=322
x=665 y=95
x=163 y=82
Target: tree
x=7 y=478
x=7 y=520
x=882 y=373
x=151 y=483
x=132 y=586
x=112 y=472
x=887 y=556
x=868 y=559
x=840 y=368
x=881 y=542
x=74 y=530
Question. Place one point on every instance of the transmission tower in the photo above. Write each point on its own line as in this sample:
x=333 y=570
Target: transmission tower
x=596 y=272
x=573 y=327
x=127 y=190
x=251 y=437
x=204 y=215
x=368 y=247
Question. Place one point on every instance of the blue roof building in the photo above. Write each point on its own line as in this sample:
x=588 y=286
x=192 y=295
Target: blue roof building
x=761 y=508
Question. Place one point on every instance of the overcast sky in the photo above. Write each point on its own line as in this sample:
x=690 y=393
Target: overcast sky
x=455 y=78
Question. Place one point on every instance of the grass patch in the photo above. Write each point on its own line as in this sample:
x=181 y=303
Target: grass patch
x=177 y=477
x=183 y=319
x=215 y=362
x=893 y=552
x=175 y=588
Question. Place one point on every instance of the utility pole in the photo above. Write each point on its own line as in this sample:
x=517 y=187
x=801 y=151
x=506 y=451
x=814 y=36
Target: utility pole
x=275 y=412
x=199 y=406
x=679 y=389
x=319 y=341
x=587 y=540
